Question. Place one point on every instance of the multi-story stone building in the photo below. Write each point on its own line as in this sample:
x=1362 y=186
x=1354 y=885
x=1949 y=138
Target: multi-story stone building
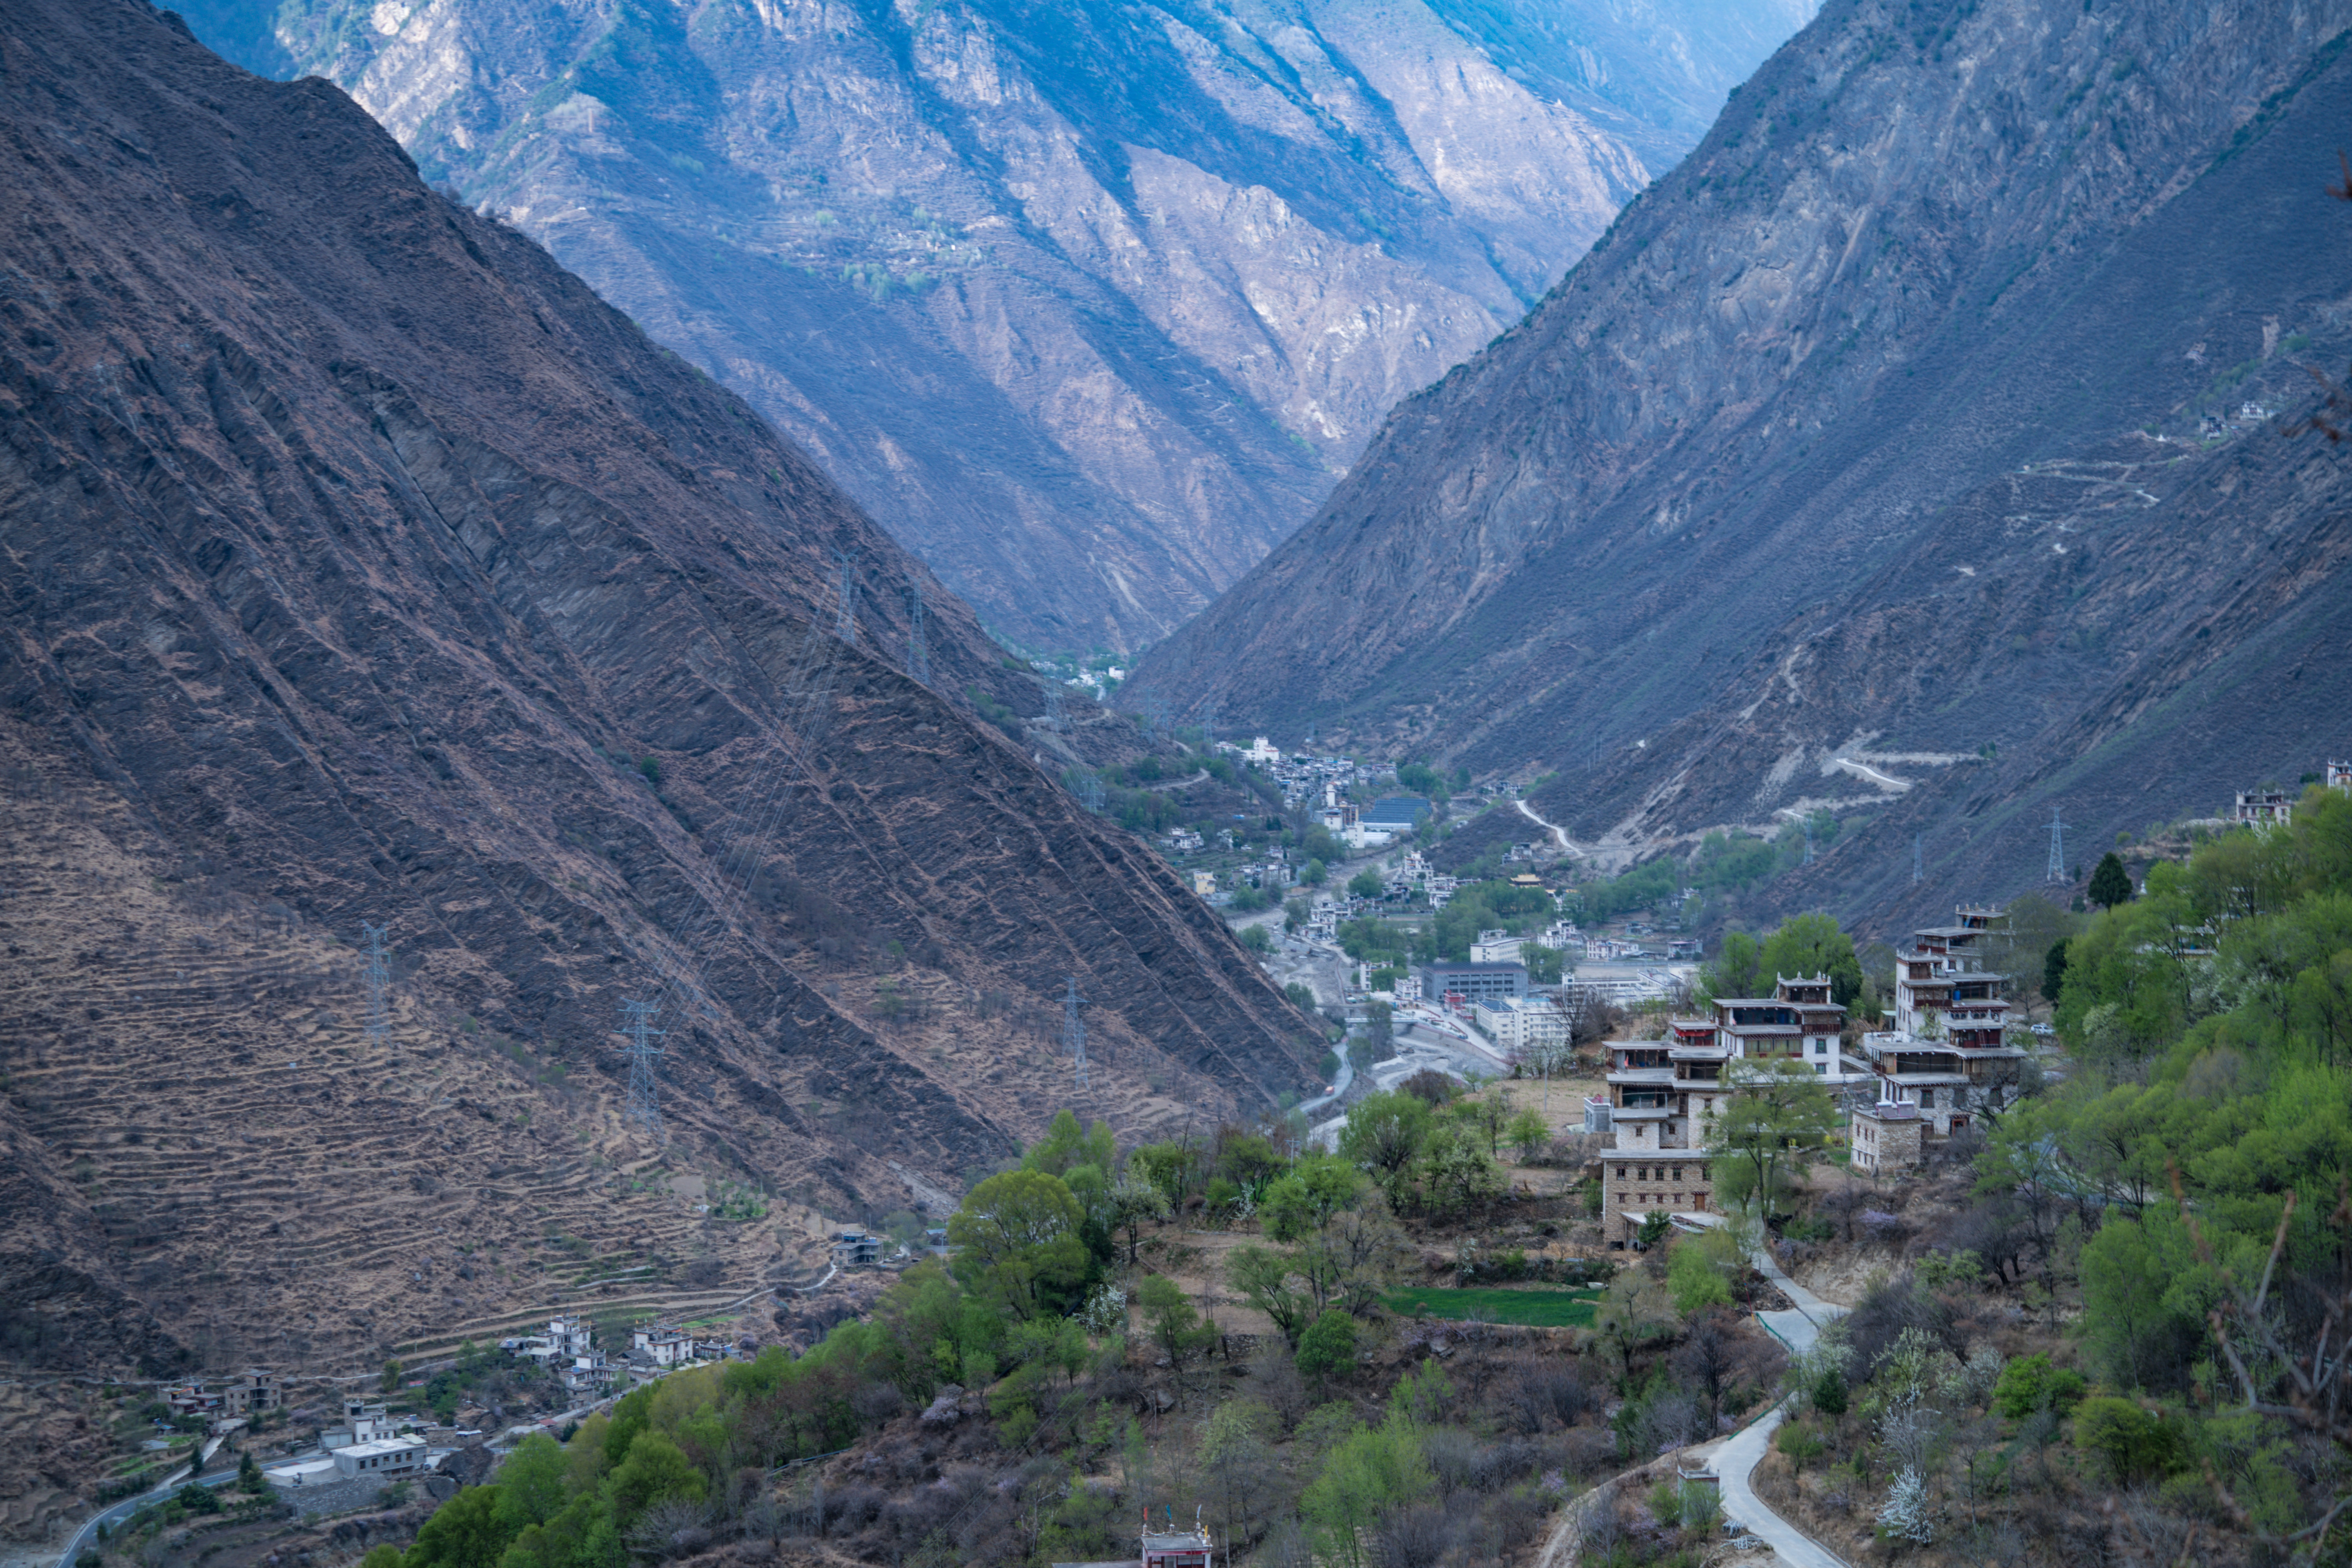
x=1664 y=1093
x=1949 y=1053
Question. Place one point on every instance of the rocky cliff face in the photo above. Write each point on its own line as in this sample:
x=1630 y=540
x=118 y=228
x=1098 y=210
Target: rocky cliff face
x=360 y=568
x=1087 y=304
x=1917 y=448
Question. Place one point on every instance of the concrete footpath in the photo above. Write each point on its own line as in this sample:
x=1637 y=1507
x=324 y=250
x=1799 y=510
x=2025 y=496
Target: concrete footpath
x=1735 y=1461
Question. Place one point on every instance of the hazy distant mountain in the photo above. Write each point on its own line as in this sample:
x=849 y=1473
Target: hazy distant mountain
x=1087 y=304
x=1918 y=449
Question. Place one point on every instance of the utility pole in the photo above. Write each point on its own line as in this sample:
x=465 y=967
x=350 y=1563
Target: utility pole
x=644 y=1086
x=845 y=615
x=2057 y=847
x=1074 y=1032
x=379 y=986
x=918 y=645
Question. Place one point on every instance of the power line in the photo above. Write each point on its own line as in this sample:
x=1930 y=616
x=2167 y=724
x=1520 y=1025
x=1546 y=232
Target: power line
x=1074 y=1031
x=379 y=985
x=2057 y=847
x=645 y=1083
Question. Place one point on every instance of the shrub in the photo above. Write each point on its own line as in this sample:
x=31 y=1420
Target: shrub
x=2138 y=1444
x=197 y=1498
x=1800 y=1442
x=1693 y=1280
x=2030 y=1383
x=1327 y=1345
x=1830 y=1393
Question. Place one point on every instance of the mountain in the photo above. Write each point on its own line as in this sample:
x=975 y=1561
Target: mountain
x=361 y=569
x=1087 y=305
x=1923 y=449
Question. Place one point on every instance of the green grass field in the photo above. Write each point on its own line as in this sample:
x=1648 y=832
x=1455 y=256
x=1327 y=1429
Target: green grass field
x=1536 y=1308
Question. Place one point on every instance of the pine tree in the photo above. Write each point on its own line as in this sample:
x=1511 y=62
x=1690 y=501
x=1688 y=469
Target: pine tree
x=2110 y=883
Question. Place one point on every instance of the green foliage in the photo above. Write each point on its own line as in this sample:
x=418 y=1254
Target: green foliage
x=464 y=1532
x=1256 y=939
x=1328 y=1345
x=1314 y=871
x=2054 y=970
x=2138 y=1444
x=2110 y=883
x=1656 y=1226
x=1174 y=1322
x=1800 y=1442
x=1297 y=1203
x=1365 y=884
x=1768 y=1131
x=197 y=1499
x=652 y=770
x=1264 y=1278
x=1016 y=1241
x=1385 y=1134
x=2030 y=1383
x=1300 y=996
x=1809 y=945
x=1372 y=1472
x=1737 y=968
x=1829 y=1394
x=1698 y=1276
x=1527 y=1133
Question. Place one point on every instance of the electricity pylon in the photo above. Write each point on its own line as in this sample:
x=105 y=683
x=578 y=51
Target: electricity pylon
x=644 y=1085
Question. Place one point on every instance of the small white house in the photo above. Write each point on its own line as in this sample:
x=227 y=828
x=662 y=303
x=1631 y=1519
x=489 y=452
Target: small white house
x=381 y=1456
x=1496 y=947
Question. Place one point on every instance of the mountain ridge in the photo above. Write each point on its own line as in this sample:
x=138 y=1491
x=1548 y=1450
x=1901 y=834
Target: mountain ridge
x=1088 y=307
x=1791 y=367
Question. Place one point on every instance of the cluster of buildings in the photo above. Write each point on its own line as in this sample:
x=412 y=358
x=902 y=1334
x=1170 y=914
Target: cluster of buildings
x=1947 y=1060
x=369 y=1444
x=241 y=1398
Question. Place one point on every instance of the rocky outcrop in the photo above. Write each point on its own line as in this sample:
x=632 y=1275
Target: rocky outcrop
x=360 y=568
x=1087 y=304
x=1917 y=449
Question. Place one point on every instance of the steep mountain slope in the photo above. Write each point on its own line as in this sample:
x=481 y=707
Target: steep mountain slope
x=1890 y=454
x=1087 y=304
x=359 y=566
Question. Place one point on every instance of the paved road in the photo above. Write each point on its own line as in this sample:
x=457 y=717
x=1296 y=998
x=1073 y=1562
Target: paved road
x=1559 y=834
x=1741 y=1453
x=111 y=1516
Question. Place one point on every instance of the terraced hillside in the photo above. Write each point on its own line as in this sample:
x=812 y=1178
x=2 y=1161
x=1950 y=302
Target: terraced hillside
x=360 y=567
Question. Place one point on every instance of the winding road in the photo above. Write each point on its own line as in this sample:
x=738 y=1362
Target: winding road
x=1735 y=1461
x=1560 y=835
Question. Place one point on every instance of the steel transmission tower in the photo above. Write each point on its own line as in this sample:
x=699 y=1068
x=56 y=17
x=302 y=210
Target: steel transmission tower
x=379 y=986
x=1090 y=793
x=2057 y=847
x=918 y=646
x=1054 y=703
x=845 y=615
x=1808 y=841
x=1074 y=1031
x=644 y=1085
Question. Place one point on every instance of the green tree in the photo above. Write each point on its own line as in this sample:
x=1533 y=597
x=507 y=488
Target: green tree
x=1313 y=872
x=1240 y=1465
x=1300 y=996
x=1366 y=884
x=1297 y=1203
x=1064 y=1147
x=1136 y=1201
x=1175 y=1326
x=1384 y=1135
x=655 y=1470
x=1256 y=939
x=2136 y=1443
x=465 y=1532
x=1529 y=1133
x=532 y=1483
x=2054 y=970
x=1264 y=1278
x=1372 y=1472
x=1699 y=1271
x=392 y=1373
x=1736 y=970
x=1811 y=944
x=1016 y=1241
x=2110 y=883
x=1770 y=1128
x=2030 y=1383
x=1327 y=1345
x=1545 y=964
x=1294 y=915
